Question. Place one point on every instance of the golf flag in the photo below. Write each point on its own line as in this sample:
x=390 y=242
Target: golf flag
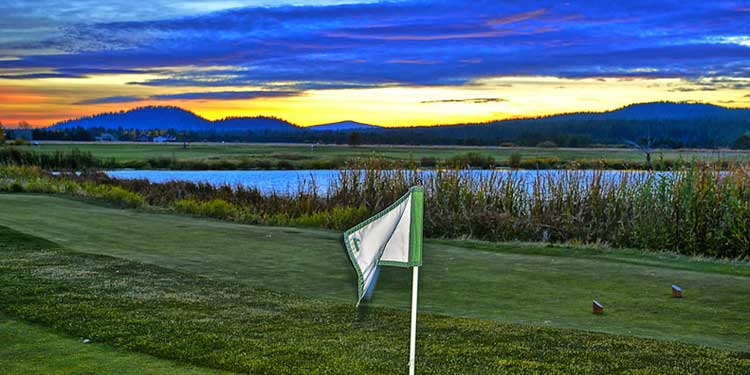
x=393 y=237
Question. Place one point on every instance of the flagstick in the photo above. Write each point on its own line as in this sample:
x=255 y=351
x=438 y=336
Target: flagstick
x=413 y=343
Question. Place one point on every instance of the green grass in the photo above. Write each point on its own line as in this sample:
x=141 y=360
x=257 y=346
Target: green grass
x=275 y=152
x=509 y=283
x=144 y=308
x=31 y=349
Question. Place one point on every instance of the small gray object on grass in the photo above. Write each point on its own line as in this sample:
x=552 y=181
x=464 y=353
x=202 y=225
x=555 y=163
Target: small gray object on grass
x=86 y=341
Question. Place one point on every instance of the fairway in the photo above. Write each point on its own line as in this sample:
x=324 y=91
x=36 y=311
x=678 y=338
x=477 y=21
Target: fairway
x=298 y=152
x=29 y=349
x=510 y=283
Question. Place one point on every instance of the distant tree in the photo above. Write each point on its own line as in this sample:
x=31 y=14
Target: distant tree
x=514 y=161
x=355 y=139
x=2 y=133
x=547 y=144
x=742 y=142
x=23 y=124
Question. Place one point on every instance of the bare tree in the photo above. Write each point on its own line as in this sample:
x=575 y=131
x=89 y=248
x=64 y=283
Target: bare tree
x=23 y=124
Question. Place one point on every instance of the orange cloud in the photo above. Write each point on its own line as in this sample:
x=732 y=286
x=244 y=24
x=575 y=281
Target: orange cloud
x=518 y=17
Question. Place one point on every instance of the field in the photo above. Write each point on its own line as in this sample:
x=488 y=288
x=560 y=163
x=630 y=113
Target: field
x=295 y=153
x=182 y=270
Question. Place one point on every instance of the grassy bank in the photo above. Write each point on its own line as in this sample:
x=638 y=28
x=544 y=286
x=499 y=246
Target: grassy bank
x=227 y=325
x=275 y=156
x=508 y=283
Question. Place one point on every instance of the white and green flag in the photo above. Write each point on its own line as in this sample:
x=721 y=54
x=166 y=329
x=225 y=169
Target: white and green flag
x=393 y=237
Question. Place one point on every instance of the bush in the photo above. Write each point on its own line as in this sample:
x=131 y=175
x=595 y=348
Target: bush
x=514 y=160
x=428 y=162
x=114 y=194
x=215 y=208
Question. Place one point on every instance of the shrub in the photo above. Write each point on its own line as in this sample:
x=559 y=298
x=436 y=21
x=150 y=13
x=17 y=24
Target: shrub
x=514 y=160
x=215 y=208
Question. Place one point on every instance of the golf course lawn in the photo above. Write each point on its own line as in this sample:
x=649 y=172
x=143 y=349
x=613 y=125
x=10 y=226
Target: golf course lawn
x=123 y=306
x=31 y=349
x=508 y=283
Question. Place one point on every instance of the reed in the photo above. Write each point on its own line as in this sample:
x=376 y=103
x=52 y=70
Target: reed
x=697 y=210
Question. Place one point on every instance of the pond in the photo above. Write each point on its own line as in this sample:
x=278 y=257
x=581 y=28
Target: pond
x=286 y=181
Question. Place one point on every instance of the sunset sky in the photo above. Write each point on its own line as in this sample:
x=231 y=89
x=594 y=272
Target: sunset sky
x=388 y=63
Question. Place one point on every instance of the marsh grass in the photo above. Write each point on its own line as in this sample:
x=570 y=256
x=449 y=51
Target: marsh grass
x=701 y=209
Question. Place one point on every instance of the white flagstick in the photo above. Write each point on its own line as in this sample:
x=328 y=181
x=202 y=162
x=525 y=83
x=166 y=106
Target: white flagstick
x=413 y=342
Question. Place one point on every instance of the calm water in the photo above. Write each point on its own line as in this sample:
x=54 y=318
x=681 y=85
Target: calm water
x=285 y=181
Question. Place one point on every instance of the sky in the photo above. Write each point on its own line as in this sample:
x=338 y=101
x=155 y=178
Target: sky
x=396 y=63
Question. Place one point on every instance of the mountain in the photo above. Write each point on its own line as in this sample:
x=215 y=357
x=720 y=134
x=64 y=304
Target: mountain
x=675 y=111
x=343 y=126
x=670 y=124
x=162 y=117
x=143 y=118
x=660 y=111
x=260 y=123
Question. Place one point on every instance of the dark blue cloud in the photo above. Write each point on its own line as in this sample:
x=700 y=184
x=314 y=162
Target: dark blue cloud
x=412 y=43
x=112 y=99
x=226 y=95
x=40 y=75
x=468 y=100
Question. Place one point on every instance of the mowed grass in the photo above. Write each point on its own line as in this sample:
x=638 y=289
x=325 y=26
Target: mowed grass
x=32 y=349
x=295 y=152
x=510 y=283
x=175 y=315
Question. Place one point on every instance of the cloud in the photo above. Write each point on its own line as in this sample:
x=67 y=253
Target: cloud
x=40 y=76
x=470 y=100
x=426 y=42
x=111 y=99
x=692 y=89
x=513 y=18
x=412 y=61
x=213 y=95
x=226 y=95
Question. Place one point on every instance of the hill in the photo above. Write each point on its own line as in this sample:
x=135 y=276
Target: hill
x=142 y=118
x=671 y=125
x=260 y=123
x=164 y=118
